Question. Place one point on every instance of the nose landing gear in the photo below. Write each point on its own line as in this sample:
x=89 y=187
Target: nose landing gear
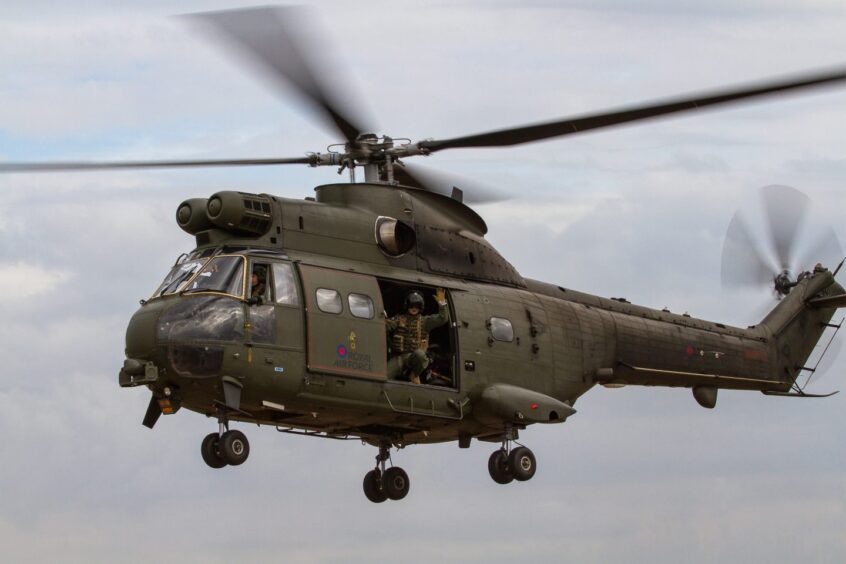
x=506 y=464
x=381 y=484
x=226 y=447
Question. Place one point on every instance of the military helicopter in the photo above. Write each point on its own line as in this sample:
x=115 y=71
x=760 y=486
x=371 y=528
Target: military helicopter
x=306 y=346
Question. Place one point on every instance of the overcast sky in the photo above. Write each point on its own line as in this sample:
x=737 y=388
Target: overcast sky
x=638 y=475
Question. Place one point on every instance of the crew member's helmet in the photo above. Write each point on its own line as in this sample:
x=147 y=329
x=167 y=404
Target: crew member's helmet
x=414 y=299
x=261 y=273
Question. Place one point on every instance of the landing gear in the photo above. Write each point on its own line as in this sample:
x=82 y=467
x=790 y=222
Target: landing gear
x=507 y=464
x=521 y=463
x=234 y=447
x=498 y=467
x=210 y=452
x=396 y=482
x=381 y=483
x=373 y=488
x=226 y=447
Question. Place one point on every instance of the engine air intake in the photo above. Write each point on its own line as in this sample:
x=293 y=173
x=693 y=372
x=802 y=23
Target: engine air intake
x=191 y=216
x=394 y=237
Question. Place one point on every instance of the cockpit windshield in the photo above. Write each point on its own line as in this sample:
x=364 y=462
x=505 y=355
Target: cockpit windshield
x=223 y=274
x=178 y=277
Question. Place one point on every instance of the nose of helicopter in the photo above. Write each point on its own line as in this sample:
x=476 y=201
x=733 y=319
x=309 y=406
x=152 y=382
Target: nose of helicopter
x=141 y=332
x=181 y=337
x=139 y=367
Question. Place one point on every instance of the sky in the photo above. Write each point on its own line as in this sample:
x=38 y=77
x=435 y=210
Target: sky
x=637 y=475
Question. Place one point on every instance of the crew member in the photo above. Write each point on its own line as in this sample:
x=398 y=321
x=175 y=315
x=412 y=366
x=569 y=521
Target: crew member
x=409 y=333
x=257 y=282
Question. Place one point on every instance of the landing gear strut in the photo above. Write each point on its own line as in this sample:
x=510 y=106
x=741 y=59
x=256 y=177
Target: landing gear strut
x=226 y=447
x=507 y=464
x=381 y=483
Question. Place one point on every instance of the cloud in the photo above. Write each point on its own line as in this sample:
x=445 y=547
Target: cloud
x=638 y=475
x=21 y=281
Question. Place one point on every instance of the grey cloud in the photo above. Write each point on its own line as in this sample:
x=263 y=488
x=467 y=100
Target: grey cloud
x=638 y=475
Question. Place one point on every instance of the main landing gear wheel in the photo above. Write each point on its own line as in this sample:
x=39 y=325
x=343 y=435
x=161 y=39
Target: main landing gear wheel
x=210 y=452
x=234 y=447
x=498 y=467
x=373 y=488
x=396 y=483
x=521 y=463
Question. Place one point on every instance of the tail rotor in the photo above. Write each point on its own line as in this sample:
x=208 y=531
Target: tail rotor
x=776 y=257
x=768 y=253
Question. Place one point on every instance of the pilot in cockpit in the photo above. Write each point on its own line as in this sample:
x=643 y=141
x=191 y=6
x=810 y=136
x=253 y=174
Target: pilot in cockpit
x=258 y=281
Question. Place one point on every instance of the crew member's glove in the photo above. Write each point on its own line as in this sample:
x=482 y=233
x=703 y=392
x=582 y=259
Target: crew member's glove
x=440 y=296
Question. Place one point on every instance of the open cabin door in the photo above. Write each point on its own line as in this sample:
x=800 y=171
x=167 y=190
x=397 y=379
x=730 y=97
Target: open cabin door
x=345 y=327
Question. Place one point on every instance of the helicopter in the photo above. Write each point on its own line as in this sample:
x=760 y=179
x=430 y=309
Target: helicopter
x=310 y=354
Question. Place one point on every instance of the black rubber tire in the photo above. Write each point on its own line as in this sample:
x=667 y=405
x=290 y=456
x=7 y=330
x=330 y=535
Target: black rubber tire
x=209 y=450
x=522 y=464
x=373 y=487
x=498 y=467
x=234 y=447
x=396 y=483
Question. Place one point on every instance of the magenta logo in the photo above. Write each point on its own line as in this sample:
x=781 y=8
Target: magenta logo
x=342 y=351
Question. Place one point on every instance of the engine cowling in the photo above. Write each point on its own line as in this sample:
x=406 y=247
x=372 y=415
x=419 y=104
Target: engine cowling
x=240 y=212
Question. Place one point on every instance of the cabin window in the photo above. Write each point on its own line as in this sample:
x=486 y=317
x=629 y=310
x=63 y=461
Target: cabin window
x=501 y=329
x=221 y=274
x=328 y=301
x=361 y=306
x=286 y=288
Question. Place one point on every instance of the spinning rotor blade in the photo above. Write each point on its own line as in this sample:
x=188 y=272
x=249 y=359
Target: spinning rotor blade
x=786 y=209
x=79 y=166
x=743 y=263
x=272 y=39
x=826 y=357
x=825 y=250
x=570 y=126
x=431 y=181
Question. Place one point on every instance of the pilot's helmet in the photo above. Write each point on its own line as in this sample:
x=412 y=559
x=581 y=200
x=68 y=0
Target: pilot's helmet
x=414 y=299
x=260 y=272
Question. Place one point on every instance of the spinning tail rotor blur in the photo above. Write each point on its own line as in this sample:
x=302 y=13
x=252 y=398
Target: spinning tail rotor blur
x=767 y=258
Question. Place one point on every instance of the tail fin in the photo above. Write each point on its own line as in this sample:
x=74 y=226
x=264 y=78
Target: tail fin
x=798 y=321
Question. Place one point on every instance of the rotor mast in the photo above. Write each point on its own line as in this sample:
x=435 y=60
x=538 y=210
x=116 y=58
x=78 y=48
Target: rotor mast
x=376 y=155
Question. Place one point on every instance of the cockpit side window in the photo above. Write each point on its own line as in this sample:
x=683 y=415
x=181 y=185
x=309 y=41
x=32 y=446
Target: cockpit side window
x=260 y=283
x=284 y=284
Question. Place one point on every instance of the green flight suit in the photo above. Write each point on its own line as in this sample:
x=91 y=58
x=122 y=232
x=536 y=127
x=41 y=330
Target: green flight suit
x=409 y=339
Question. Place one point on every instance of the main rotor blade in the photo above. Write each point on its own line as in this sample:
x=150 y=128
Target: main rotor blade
x=79 y=166
x=472 y=192
x=743 y=263
x=571 y=126
x=785 y=209
x=272 y=39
